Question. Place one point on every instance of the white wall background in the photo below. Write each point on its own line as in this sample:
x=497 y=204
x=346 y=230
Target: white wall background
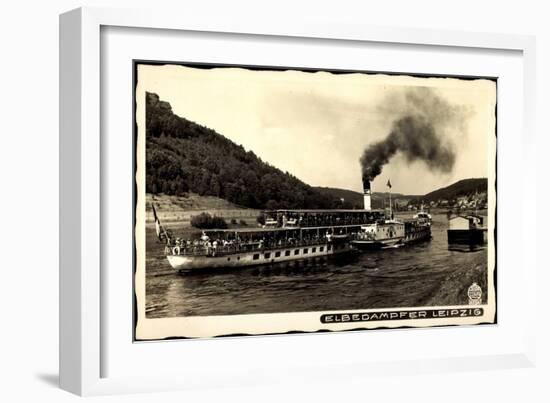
x=29 y=198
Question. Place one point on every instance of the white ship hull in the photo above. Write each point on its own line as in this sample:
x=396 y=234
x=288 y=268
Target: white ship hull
x=378 y=235
x=377 y=243
x=187 y=263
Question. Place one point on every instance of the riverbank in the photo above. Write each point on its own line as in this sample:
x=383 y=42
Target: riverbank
x=180 y=209
x=453 y=290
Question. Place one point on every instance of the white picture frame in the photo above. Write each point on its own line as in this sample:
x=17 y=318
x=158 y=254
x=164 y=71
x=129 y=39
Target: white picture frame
x=85 y=347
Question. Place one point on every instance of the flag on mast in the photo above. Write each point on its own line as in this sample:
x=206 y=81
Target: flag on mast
x=388 y=184
x=157 y=221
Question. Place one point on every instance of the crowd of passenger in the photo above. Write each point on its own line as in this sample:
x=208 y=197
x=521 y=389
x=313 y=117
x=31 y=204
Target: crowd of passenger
x=219 y=246
x=241 y=242
x=325 y=219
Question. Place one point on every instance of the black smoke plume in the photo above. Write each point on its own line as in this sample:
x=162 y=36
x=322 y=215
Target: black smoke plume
x=420 y=121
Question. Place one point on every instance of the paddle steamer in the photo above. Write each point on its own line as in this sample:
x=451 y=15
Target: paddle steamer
x=391 y=232
x=310 y=234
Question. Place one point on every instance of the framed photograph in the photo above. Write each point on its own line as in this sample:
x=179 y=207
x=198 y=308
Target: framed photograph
x=289 y=196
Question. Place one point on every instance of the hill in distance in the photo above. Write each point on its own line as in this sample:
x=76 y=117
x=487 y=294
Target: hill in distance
x=378 y=199
x=463 y=187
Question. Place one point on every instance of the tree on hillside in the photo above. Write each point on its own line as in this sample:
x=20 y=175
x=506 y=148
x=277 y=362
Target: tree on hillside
x=207 y=221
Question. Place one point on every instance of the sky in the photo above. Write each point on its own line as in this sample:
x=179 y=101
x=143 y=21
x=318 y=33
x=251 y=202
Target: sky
x=317 y=125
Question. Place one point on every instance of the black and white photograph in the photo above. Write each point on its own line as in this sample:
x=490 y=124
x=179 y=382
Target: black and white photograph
x=272 y=200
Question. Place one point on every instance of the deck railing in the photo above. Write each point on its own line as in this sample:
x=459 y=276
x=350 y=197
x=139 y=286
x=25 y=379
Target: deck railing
x=223 y=250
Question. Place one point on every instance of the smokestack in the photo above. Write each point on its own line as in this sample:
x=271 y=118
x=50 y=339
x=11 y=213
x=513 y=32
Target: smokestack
x=366 y=194
x=421 y=121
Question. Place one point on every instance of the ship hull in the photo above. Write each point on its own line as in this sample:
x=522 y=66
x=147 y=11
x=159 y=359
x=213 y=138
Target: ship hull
x=418 y=235
x=377 y=243
x=412 y=233
x=194 y=263
x=467 y=236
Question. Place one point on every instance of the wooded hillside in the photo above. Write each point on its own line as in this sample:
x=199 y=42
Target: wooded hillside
x=183 y=156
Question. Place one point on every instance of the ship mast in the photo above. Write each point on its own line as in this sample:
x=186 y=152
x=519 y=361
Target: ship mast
x=391 y=213
x=158 y=226
x=389 y=186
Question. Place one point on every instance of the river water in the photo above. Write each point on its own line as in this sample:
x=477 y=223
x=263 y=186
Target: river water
x=408 y=276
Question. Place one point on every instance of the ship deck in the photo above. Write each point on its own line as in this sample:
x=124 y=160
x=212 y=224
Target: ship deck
x=281 y=229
